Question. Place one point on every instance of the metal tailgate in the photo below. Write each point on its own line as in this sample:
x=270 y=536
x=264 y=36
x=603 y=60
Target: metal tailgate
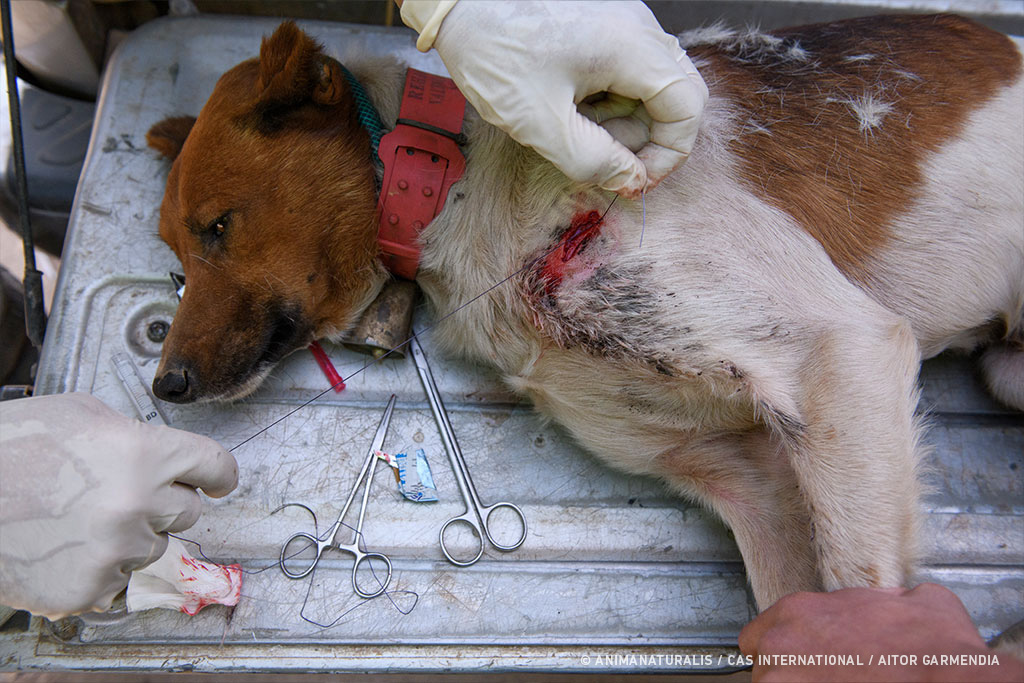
x=615 y=575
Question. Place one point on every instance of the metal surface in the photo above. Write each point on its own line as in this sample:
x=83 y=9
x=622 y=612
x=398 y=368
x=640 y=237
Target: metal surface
x=477 y=516
x=613 y=566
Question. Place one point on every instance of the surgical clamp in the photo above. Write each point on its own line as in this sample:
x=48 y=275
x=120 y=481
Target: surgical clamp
x=477 y=515
x=329 y=539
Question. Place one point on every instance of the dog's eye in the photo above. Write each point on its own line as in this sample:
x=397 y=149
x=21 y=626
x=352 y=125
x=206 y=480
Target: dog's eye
x=219 y=225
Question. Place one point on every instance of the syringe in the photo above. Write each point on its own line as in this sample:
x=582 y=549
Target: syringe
x=136 y=388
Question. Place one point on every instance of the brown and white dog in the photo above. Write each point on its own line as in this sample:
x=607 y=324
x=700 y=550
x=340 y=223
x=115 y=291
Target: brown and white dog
x=853 y=204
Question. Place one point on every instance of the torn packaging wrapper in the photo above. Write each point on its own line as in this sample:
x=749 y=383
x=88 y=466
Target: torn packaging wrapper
x=178 y=581
x=415 y=483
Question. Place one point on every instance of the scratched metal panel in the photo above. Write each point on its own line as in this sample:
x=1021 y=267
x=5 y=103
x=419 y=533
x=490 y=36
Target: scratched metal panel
x=611 y=561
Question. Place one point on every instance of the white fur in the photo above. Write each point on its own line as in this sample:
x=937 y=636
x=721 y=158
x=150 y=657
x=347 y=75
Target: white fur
x=957 y=259
x=869 y=110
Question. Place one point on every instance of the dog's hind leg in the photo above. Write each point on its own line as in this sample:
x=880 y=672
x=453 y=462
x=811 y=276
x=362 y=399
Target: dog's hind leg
x=857 y=451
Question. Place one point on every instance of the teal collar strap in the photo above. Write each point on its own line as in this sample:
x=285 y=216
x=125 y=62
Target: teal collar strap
x=367 y=113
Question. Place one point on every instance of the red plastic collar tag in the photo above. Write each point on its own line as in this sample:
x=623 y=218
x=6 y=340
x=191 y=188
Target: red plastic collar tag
x=421 y=160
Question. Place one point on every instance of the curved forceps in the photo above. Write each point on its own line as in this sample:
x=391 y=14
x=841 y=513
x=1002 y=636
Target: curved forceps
x=477 y=514
x=329 y=539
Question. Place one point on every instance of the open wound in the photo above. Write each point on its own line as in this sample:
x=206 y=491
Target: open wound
x=547 y=276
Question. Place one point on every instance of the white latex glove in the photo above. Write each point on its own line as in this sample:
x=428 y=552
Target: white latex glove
x=85 y=496
x=525 y=65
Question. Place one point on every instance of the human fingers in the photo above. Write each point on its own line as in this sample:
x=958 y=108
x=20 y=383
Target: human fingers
x=623 y=118
x=798 y=618
x=581 y=149
x=197 y=460
x=600 y=109
x=751 y=634
x=674 y=96
x=175 y=508
x=942 y=605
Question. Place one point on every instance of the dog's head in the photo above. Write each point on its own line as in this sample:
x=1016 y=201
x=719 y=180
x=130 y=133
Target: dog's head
x=270 y=206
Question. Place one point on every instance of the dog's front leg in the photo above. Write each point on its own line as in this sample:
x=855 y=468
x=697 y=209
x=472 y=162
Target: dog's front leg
x=748 y=481
x=855 y=452
x=644 y=422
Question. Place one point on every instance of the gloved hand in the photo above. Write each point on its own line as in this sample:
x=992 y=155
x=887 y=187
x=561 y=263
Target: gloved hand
x=525 y=66
x=85 y=494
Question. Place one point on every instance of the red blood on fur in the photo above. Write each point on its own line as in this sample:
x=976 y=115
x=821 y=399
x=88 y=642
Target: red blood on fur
x=584 y=227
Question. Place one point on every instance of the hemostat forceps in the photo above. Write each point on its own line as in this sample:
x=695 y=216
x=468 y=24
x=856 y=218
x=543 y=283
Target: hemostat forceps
x=477 y=514
x=301 y=541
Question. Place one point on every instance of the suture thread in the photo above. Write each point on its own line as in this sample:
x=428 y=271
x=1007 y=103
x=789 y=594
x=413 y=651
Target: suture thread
x=643 y=223
x=426 y=329
x=309 y=588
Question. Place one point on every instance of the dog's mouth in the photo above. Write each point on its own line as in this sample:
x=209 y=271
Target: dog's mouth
x=236 y=372
x=284 y=334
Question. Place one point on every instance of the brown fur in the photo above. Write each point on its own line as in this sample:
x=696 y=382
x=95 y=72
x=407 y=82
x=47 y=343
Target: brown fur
x=293 y=97
x=168 y=136
x=845 y=184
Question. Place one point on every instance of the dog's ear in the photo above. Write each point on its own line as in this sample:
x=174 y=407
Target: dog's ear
x=331 y=85
x=168 y=136
x=293 y=69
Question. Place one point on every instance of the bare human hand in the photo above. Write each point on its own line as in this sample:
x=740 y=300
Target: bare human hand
x=875 y=634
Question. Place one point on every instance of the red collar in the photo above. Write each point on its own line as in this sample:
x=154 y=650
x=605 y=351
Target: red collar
x=421 y=160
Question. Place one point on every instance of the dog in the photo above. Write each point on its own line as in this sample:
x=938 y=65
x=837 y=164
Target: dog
x=750 y=333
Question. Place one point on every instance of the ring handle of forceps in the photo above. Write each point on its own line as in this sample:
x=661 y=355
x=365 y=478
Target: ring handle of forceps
x=313 y=540
x=474 y=523
x=359 y=555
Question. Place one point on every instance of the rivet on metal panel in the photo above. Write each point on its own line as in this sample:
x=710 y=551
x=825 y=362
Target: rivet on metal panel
x=157 y=331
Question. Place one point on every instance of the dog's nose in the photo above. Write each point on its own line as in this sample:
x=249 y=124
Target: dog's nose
x=174 y=386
